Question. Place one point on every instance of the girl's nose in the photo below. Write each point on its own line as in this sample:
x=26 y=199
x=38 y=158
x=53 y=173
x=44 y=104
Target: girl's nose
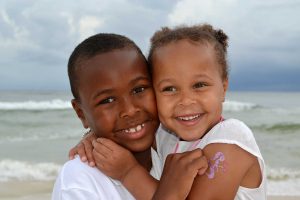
x=186 y=98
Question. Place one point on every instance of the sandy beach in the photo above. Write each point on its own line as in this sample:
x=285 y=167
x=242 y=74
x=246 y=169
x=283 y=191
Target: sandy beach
x=283 y=198
x=29 y=190
x=41 y=190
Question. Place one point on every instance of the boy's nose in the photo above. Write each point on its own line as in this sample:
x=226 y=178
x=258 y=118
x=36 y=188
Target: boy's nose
x=128 y=108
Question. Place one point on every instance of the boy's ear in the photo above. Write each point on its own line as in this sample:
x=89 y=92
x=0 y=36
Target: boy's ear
x=77 y=107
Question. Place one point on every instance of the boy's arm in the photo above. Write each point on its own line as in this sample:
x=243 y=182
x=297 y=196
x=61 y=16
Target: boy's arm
x=228 y=165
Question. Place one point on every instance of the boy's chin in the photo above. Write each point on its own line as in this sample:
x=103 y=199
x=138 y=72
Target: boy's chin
x=139 y=148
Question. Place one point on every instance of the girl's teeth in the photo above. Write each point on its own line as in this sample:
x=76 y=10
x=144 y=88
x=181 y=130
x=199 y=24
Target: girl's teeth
x=189 y=118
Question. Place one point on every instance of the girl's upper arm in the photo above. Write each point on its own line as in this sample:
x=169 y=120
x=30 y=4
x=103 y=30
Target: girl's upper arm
x=228 y=164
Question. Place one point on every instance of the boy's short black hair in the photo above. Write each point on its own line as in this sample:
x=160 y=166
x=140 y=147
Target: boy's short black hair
x=92 y=46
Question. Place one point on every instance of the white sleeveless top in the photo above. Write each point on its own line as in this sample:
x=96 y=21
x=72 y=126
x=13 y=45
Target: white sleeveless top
x=230 y=131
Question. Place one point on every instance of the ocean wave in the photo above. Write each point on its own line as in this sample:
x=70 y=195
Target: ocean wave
x=283 y=181
x=281 y=127
x=55 y=104
x=282 y=174
x=236 y=106
x=55 y=136
x=21 y=171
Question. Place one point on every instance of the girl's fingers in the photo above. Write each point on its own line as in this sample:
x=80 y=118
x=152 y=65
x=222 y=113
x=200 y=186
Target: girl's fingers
x=108 y=144
x=88 y=147
x=102 y=149
x=99 y=159
x=81 y=152
x=72 y=153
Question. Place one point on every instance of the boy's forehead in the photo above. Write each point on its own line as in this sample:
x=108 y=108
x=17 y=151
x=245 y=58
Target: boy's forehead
x=123 y=63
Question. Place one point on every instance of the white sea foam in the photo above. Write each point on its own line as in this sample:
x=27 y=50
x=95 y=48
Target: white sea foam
x=236 y=106
x=21 y=171
x=54 y=104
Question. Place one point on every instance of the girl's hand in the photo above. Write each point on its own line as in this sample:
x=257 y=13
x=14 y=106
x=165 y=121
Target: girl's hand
x=84 y=149
x=179 y=172
x=112 y=159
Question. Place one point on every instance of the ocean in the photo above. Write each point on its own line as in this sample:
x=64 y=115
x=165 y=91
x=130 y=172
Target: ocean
x=38 y=128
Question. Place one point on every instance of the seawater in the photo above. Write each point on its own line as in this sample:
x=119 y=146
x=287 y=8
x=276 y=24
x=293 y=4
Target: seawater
x=38 y=128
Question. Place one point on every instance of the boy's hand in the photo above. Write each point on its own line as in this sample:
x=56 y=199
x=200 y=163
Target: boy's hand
x=179 y=173
x=84 y=149
x=112 y=159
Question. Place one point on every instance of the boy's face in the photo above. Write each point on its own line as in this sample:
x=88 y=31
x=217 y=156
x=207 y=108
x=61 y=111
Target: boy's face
x=189 y=88
x=117 y=99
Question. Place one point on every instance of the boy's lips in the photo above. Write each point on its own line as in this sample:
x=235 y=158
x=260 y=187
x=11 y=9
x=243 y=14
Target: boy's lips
x=190 y=119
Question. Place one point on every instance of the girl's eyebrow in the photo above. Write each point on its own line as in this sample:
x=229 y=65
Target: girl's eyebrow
x=164 y=80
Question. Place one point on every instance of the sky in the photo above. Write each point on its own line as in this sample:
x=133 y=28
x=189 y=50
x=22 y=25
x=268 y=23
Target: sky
x=37 y=37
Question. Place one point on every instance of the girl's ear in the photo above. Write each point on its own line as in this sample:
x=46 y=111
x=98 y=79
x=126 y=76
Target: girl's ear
x=225 y=87
x=77 y=107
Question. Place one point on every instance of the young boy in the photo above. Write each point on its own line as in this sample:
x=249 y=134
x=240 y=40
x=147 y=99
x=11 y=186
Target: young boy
x=113 y=97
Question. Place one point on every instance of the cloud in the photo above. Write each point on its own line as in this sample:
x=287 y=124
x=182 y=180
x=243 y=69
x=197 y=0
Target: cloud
x=37 y=37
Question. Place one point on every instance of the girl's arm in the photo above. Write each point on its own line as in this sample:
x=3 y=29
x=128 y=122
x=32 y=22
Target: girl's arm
x=178 y=175
x=119 y=163
x=179 y=172
x=229 y=167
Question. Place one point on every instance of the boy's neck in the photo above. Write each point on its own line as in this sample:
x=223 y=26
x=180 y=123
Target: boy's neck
x=144 y=158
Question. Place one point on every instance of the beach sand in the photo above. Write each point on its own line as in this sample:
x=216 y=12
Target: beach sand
x=41 y=190
x=29 y=190
x=283 y=198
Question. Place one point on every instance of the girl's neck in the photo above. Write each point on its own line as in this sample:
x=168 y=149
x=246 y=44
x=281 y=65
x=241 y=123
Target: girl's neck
x=144 y=158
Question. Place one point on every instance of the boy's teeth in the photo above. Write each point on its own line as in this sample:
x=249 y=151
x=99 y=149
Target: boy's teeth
x=134 y=129
x=189 y=118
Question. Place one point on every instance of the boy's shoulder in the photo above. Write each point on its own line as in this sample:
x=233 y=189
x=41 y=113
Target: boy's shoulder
x=76 y=172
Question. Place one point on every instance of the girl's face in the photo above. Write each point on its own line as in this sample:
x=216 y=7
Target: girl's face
x=117 y=99
x=189 y=88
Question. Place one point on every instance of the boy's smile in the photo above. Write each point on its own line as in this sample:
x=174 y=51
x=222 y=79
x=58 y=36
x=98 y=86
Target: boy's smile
x=117 y=99
x=189 y=87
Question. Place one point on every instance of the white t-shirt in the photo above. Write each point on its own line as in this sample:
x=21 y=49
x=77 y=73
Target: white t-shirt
x=230 y=131
x=79 y=181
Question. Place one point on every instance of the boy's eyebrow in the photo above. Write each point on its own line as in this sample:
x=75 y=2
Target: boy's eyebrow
x=139 y=78
x=102 y=92
x=111 y=90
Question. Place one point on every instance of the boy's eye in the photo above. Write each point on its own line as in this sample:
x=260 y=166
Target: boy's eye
x=138 y=90
x=169 y=89
x=199 y=85
x=107 y=100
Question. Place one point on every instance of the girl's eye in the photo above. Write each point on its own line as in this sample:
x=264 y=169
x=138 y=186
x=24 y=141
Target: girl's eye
x=199 y=85
x=169 y=89
x=107 y=100
x=138 y=90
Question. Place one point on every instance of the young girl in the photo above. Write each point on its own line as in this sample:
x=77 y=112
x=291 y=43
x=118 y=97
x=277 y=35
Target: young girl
x=190 y=79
